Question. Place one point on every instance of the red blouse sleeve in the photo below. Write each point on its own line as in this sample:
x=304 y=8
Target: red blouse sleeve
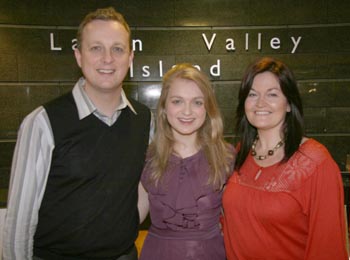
x=325 y=207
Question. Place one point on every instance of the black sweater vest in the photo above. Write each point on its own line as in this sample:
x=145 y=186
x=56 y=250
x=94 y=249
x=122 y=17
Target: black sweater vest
x=89 y=209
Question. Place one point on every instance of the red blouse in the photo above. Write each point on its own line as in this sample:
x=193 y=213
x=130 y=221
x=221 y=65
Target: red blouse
x=293 y=210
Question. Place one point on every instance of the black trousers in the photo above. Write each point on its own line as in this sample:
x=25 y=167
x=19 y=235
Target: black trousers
x=132 y=255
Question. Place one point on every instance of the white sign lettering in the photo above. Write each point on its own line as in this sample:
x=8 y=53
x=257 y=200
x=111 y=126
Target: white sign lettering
x=275 y=42
x=209 y=42
x=52 y=43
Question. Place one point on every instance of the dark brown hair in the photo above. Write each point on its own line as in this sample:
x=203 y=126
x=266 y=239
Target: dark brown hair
x=293 y=124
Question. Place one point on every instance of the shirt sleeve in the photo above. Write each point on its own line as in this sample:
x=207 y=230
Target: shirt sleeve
x=327 y=236
x=29 y=172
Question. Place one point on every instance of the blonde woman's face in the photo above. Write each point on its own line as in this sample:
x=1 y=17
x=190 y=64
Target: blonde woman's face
x=185 y=108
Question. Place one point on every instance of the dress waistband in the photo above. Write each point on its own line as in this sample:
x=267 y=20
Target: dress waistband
x=184 y=234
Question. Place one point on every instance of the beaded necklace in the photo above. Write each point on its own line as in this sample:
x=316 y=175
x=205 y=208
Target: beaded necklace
x=269 y=152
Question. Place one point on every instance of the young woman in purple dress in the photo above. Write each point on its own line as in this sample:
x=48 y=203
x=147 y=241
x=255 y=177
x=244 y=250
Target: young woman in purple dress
x=187 y=165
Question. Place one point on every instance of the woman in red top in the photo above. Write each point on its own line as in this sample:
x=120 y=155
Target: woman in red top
x=285 y=198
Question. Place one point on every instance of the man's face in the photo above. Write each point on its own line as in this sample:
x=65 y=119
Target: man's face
x=104 y=56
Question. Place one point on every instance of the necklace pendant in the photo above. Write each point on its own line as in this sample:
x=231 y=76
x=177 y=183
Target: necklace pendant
x=258 y=174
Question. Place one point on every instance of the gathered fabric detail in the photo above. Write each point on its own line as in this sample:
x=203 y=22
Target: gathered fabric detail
x=183 y=204
x=280 y=177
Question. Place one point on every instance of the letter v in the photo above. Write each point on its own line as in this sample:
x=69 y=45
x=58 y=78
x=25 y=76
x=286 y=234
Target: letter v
x=209 y=44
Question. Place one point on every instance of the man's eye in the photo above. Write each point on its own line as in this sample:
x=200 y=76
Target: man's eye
x=96 y=48
x=118 y=50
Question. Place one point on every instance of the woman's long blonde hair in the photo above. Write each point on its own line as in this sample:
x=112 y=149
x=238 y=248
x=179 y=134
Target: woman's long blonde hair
x=210 y=135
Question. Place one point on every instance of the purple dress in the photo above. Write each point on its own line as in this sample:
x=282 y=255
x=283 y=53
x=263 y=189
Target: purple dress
x=184 y=212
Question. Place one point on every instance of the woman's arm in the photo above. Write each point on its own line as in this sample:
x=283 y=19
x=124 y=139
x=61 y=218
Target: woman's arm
x=143 y=203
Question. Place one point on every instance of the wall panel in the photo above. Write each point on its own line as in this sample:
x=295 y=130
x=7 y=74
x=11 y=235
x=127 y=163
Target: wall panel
x=222 y=37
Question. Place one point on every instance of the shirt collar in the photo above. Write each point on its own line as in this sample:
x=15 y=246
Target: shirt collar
x=85 y=105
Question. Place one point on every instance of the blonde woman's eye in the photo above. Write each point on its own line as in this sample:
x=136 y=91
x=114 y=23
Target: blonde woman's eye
x=199 y=103
x=176 y=101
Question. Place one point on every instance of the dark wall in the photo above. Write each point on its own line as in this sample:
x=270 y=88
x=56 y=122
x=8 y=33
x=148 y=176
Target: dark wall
x=33 y=72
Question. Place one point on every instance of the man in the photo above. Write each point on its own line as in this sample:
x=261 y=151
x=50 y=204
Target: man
x=78 y=158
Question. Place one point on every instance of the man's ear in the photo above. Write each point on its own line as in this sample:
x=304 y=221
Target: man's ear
x=77 y=55
x=131 y=58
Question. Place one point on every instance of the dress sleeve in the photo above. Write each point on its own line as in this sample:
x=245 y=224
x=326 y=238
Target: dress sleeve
x=327 y=236
x=29 y=172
